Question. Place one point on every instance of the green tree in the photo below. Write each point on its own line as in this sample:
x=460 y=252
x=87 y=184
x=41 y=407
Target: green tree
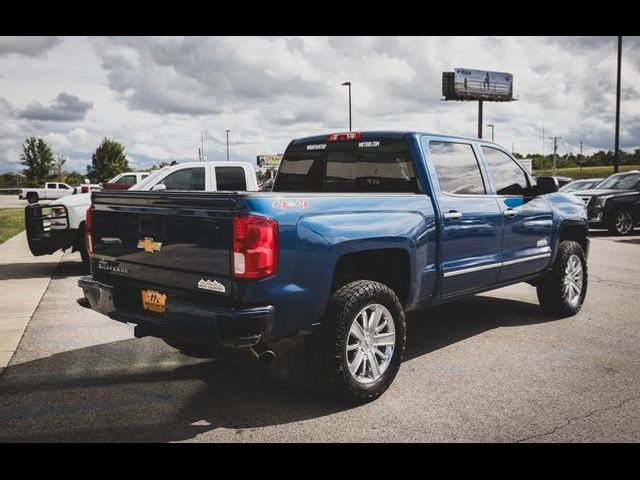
x=107 y=161
x=73 y=178
x=59 y=163
x=37 y=158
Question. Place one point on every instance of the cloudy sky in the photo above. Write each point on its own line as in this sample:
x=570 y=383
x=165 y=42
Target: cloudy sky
x=155 y=95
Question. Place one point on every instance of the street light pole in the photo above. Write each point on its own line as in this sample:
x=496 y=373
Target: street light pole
x=616 y=158
x=492 y=127
x=228 y=145
x=348 y=84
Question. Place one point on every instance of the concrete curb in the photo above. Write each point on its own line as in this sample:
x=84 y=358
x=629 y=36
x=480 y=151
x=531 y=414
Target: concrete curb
x=23 y=281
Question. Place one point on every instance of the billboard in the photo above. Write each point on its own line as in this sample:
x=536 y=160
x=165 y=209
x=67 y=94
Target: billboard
x=268 y=160
x=468 y=84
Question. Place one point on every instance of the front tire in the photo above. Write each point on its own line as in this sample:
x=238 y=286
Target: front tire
x=622 y=223
x=358 y=351
x=562 y=293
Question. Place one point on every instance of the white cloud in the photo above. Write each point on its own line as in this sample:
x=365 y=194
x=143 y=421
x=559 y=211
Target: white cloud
x=156 y=95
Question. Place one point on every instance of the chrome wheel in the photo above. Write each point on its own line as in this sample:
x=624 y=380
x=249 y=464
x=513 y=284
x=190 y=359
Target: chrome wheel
x=573 y=280
x=624 y=222
x=370 y=343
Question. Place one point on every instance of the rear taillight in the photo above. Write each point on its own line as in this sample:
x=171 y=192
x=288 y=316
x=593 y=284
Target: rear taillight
x=85 y=189
x=87 y=231
x=254 y=247
x=343 y=137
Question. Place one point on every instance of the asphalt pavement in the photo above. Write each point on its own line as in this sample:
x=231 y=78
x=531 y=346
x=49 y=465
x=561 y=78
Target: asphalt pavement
x=492 y=368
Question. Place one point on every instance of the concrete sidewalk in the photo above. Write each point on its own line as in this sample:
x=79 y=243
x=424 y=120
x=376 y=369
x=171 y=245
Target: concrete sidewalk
x=23 y=280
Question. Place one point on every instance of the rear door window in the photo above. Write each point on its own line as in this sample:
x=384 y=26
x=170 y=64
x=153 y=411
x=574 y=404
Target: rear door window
x=383 y=165
x=457 y=168
x=185 y=179
x=230 y=179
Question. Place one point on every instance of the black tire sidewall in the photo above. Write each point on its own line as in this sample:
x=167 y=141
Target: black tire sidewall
x=551 y=290
x=344 y=305
x=32 y=198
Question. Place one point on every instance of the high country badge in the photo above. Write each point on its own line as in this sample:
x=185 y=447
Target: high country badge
x=216 y=286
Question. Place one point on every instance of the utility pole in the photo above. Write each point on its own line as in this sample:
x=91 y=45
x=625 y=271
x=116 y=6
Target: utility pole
x=580 y=158
x=228 y=144
x=202 y=144
x=555 y=150
x=544 y=139
x=616 y=157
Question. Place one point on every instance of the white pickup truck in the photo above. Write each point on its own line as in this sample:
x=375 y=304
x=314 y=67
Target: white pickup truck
x=60 y=225
x=51 y=191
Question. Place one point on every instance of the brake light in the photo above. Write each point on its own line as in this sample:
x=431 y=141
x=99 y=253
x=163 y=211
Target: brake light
x=85 y=189
x=87 y=231
x=254 y=247
x=343 y=137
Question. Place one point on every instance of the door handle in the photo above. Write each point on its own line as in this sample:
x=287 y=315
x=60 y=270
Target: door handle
x=452 y=215
x=510 y=213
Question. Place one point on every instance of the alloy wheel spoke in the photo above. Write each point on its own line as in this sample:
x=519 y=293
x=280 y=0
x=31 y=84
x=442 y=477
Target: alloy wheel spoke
x=384 y=339
x=374 y=319
x=354 y=365
x=375 y=368
x=356 y=330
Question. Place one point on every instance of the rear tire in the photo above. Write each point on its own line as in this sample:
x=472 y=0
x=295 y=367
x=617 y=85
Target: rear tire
x=622 y=223
x=342 y=353
x=32 y=197
x=82 y=248
x=562 y=293
x=196 y=350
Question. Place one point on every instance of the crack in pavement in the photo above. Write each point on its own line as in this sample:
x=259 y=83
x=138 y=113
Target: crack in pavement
x=582 y=417
x=615 y=283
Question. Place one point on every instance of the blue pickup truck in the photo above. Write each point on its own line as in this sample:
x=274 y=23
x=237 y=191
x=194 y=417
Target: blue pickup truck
x=360 y=228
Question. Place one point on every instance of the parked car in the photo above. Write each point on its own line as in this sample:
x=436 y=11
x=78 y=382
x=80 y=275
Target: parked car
x=615 y=203
x=359 y=228
x=50 y=191
x=584 y=184
x=61 y=225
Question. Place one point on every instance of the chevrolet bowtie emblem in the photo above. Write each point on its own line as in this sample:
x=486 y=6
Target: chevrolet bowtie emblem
x=149 y=245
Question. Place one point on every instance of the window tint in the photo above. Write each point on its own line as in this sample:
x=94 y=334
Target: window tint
x=457 y=168
x=51 y=185
x=127 y=180
x=230 y=178
x=508 y=177
x=185 y=179
x=353 y=166
x=143 y=176
x=64 y=187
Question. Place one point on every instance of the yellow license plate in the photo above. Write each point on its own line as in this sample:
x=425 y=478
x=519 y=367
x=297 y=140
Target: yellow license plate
x=153 y=301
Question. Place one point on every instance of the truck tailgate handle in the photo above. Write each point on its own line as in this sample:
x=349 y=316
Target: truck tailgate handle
x=510 y=213
x=452 y=215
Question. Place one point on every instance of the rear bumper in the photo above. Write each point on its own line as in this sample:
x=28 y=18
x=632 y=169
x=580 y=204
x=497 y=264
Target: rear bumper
x=183 y=320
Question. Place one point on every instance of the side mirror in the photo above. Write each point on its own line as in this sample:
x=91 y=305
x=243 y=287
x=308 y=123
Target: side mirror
x=159 y=186
x=546 y=185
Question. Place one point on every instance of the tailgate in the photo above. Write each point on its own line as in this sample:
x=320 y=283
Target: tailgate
x=180 y=240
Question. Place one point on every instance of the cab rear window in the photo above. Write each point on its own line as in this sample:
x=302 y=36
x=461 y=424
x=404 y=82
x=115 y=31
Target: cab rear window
x=347 y=166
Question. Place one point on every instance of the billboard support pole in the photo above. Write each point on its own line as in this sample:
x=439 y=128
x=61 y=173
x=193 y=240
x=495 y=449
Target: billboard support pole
x=479 y=118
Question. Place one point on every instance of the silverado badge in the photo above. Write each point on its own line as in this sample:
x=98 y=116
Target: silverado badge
x=149 y=245
x=216 y=286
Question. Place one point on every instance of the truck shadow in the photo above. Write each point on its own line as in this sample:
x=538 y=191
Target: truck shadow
x=26 y=270
x=143 y=391
x=437 y=327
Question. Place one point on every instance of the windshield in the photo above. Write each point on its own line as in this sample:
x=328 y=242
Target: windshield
x=150 y=180
x=383 y=165
x=621 y=182
x=579 y=185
